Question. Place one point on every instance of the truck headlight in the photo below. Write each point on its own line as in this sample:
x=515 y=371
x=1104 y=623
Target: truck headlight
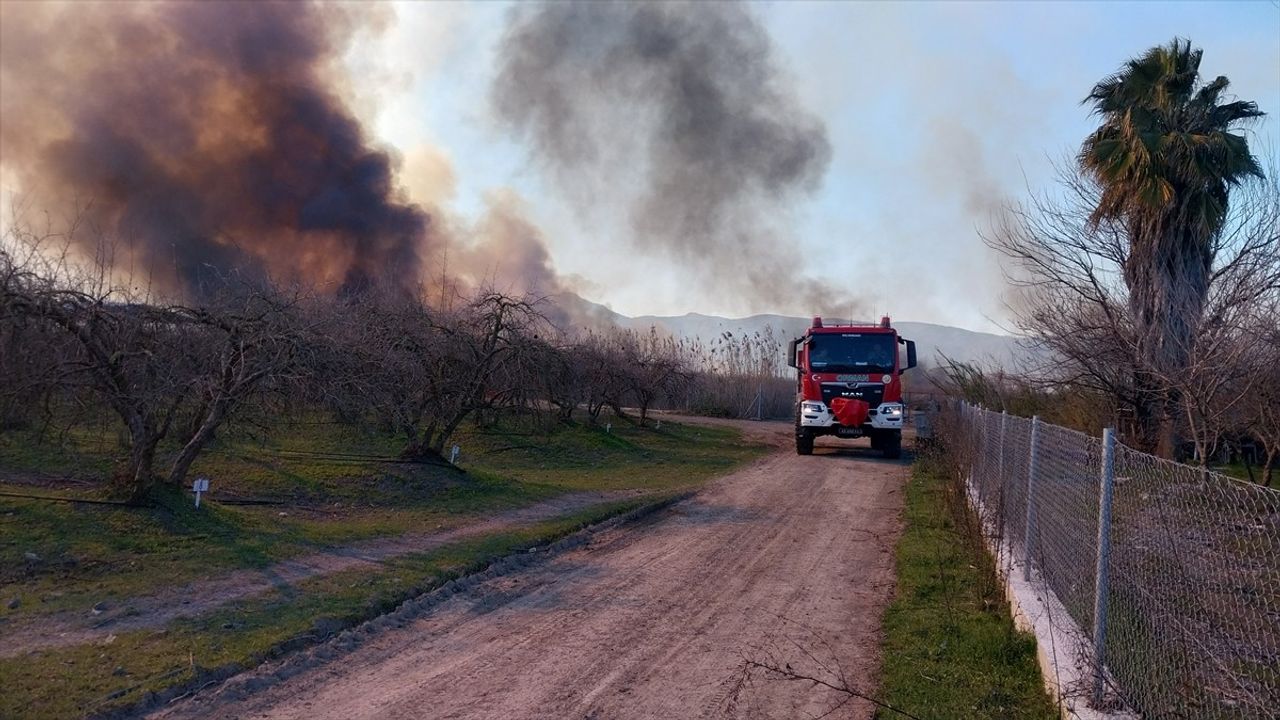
x=811 y=407
x=891 y=410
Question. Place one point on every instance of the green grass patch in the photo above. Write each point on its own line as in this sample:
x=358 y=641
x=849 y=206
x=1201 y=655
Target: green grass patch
x=76 y=681
x=950 y=649
x=1252 y=473
x=586 y=457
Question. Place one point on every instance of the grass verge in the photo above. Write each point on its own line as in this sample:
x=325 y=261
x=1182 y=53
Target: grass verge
x=950 y=648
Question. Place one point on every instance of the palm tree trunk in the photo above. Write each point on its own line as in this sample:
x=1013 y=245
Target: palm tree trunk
x=1145 y=306
x=1168 y=277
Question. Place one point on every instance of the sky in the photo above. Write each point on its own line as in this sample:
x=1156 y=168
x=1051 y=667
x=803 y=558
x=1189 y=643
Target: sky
x=936 y=112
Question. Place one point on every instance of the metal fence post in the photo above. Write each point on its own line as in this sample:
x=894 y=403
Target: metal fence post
x=970 y=435
x=1032 y=468
x=1105 y=482
x=999 y=486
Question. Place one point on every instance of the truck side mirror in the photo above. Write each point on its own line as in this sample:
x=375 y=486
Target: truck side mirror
x=791 y=352
x=911 y=354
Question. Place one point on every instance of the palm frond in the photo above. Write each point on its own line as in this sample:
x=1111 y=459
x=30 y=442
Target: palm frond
x=1165 y=140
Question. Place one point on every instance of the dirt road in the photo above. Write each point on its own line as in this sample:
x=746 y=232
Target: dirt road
x=786 y=562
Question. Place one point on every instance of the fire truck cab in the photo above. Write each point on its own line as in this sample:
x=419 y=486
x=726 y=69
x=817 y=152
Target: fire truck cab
x=849 y=384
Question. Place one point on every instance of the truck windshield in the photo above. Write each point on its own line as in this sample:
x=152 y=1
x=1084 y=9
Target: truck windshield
x=852 y=352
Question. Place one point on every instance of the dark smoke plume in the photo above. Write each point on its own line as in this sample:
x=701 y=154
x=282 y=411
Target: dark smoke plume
x=205 y=134
x=676 y=118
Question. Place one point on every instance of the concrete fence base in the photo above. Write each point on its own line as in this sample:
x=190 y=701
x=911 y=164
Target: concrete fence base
x=1064 y=649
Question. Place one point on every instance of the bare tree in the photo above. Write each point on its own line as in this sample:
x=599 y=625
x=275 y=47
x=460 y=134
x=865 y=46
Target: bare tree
x=147 y=361
x=424 y=371
x=603 y=373
x=1218 y=374
x=1260 y=408
x=34 y=376
x=486 y=337
x=246 y=339
x=654 y=367
x=561 y=378
x=118 y=346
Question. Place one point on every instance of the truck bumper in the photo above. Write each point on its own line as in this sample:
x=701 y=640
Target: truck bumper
x=815 y=414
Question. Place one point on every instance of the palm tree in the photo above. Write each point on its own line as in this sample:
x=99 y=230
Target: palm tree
x=1165 y=159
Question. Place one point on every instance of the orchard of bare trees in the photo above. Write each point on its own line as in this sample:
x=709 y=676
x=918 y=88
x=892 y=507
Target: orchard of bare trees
x=81 y=340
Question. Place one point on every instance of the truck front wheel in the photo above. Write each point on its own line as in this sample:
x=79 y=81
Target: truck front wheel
x=891 y=444
x=804 y=441
x=804 y=436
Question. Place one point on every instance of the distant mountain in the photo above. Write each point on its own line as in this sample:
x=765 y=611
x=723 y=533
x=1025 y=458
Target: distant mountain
x=958 y=344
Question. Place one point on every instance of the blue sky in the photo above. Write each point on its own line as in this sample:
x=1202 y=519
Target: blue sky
x=936 y=113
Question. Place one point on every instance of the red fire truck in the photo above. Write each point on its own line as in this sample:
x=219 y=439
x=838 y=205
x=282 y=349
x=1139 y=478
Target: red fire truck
x=849 y=384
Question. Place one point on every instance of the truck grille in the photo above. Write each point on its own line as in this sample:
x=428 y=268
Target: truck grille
x=870 y=393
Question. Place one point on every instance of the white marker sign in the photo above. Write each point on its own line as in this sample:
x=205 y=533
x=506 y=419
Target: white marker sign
x=201 y=485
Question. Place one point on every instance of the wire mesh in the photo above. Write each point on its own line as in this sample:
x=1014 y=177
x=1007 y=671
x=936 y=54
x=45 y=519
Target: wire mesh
x=1193 y=572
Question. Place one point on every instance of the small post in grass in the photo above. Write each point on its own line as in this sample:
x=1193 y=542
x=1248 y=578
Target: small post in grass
x=1105 y=483
x=201 y=485
x=453 y=455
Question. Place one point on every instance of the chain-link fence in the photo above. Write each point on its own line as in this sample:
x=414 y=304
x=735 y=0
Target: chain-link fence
x=1170 y=573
